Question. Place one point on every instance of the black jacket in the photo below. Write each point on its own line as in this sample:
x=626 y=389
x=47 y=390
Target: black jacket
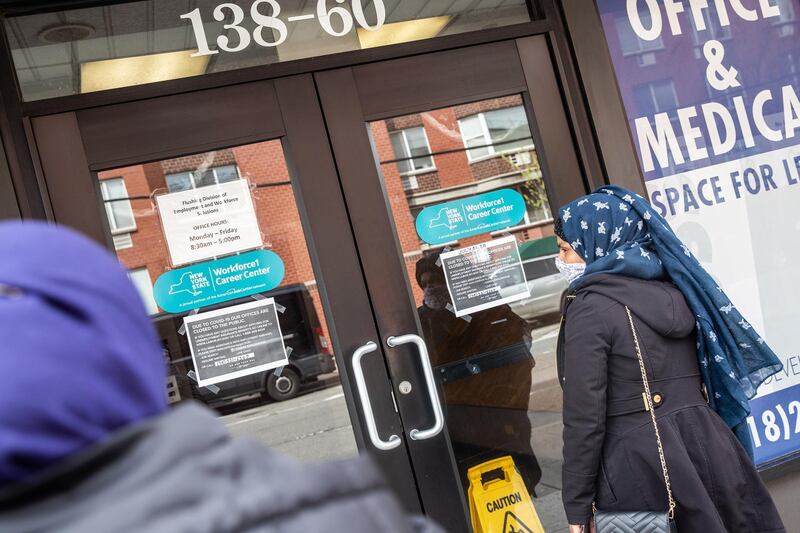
x=610 y=451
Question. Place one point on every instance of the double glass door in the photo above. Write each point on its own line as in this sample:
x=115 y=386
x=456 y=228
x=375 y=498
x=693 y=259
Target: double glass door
x=410 y=205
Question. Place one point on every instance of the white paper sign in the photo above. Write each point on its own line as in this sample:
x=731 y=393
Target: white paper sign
x=235 y=341
x=211 y=221
x=485 y=275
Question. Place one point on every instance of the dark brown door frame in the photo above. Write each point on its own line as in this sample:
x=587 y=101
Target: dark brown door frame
x=549 y=21
x=73 y=145
x=8 y=198
x=609 y=125
x=352 y=97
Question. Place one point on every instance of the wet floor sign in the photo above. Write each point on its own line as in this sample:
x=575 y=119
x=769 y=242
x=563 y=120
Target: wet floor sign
x=499 y=501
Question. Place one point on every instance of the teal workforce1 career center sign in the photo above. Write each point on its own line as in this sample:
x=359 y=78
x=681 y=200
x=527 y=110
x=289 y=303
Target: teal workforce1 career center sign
x=474 y=215
x=218 y=281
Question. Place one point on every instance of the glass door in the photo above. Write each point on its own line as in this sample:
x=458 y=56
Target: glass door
x=452 y=164
x=226 y=209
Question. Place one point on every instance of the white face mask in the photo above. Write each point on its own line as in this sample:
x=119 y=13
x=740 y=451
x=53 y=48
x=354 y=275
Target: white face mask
x=571 y=271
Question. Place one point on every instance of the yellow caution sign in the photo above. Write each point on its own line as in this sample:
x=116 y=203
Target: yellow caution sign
x=502 y=504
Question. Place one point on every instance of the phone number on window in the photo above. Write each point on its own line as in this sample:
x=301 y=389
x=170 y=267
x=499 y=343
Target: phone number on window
x=775 y=423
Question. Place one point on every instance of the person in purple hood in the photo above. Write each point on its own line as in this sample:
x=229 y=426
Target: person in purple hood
x=87 y=442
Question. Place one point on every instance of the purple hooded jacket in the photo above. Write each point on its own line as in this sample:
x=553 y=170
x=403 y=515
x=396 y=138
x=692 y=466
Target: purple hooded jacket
x=78 y=355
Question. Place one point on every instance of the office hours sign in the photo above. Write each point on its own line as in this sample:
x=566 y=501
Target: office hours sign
x=208 y=222
x=711 y=91
x=272 y=29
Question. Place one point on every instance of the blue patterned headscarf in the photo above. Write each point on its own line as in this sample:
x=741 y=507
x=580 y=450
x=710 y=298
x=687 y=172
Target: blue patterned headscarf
x=617 y=232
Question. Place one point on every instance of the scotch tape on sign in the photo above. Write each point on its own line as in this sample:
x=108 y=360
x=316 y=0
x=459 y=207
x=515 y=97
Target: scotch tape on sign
x=182 y=329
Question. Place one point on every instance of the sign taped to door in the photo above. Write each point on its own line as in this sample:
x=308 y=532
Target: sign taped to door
x=236 y=341
x=214 y=282
x=208 y=222
x=484 y=213
x=485 y=275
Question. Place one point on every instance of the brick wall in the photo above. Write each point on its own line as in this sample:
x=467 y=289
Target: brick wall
x=189 y=163
x=466 y=110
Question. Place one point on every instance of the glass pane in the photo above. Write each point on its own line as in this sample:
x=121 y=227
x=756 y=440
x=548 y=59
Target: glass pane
x=474 y=135
x=226 y=173
x=179 y=182
x=300 y=412
x=496 y=364
x=123 y=216
x=203 y=178
x=117 y=205
x=400 y=152
x=114 y=189
x=627 y=39
x=644 y=98
x=664 y=94
x=141 y=279
x=418 y=145
x=508 y=128
x=134 y=43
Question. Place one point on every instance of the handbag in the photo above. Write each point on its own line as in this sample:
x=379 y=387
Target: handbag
x=641 y=521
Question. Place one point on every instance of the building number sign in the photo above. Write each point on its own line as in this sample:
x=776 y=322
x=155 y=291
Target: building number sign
x=336 y=21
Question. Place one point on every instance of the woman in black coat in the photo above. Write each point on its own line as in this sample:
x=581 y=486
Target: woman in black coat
x=618 y=253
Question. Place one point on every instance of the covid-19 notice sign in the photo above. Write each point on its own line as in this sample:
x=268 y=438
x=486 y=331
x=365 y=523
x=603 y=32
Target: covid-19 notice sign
x=236 y=341
x=711 y=94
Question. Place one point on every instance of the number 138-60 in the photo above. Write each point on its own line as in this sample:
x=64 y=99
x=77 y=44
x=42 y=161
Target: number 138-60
x=336 y=21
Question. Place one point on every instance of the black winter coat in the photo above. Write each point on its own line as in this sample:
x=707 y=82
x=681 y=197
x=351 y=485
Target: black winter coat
x=610 y=451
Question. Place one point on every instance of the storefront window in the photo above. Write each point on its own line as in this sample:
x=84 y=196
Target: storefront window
x=86 y=50
x=716 y=125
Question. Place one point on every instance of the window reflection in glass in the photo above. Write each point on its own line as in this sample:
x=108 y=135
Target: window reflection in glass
x=117 y=205
x=411 y=150
x=630 y=43
x=499 y=130
x=184 y=181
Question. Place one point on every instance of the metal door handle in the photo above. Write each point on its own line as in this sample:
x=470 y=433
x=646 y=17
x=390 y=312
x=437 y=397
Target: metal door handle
x=433 y=394
x=385 y=445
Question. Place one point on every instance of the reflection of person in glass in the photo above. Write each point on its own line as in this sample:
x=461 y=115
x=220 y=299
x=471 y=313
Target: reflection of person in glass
x=484 y=363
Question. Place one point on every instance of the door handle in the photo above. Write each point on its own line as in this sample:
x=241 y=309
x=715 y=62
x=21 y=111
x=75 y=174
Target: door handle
x=361 y=384
x=433 y=394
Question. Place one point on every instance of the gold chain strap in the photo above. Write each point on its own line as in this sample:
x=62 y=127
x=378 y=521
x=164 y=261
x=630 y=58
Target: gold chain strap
x=652 y=411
